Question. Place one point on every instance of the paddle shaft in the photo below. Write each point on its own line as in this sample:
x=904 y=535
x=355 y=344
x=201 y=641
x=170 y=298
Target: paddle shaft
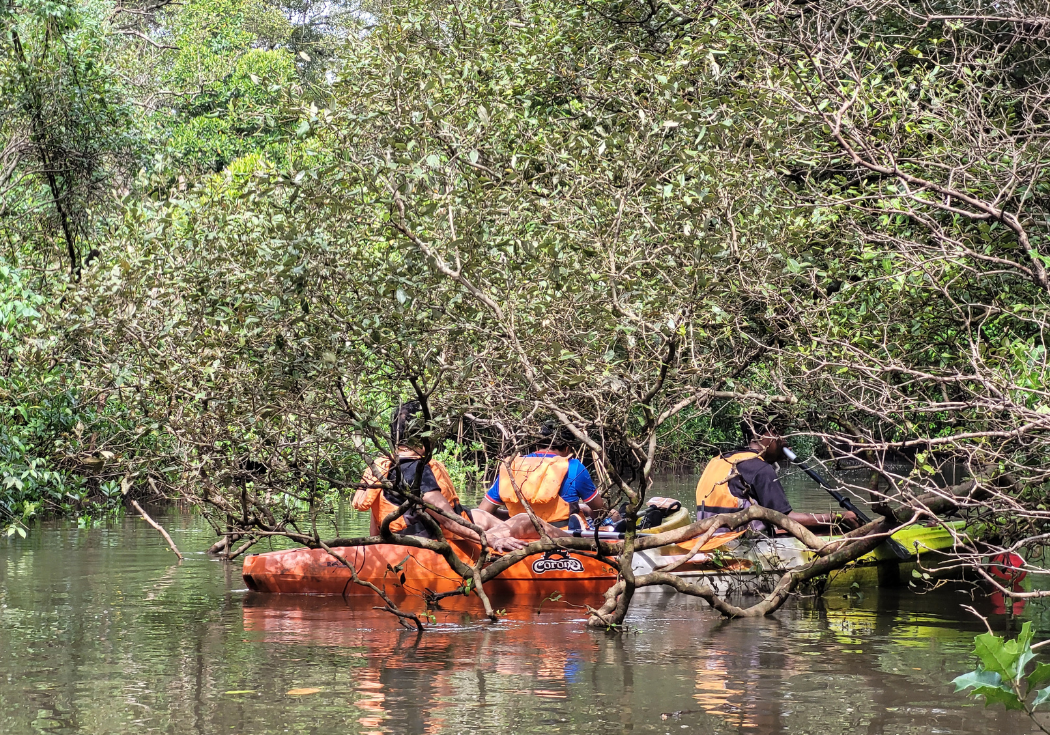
x=605 y=535
x=844 y=502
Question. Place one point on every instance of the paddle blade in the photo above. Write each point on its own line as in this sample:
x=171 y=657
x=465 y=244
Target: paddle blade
x=898 y=549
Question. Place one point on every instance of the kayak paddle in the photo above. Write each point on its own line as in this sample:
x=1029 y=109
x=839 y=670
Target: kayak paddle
x=605 y=535
x=844 y=502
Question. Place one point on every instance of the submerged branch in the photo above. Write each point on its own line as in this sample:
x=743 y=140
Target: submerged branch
x=146 y=517
x=389 y=606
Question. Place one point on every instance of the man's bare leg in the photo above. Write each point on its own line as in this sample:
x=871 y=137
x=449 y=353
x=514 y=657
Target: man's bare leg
x=493 y=526
x=521 y=527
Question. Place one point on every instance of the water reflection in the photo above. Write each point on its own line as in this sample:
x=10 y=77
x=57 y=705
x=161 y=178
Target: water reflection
x=101 y=632
x=880 y=662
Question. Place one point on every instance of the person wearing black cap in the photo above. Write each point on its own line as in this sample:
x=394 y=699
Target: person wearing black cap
x=383 y=495
x=743 y=477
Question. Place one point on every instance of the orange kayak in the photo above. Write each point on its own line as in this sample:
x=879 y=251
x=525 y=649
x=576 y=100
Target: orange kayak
x=401 y=570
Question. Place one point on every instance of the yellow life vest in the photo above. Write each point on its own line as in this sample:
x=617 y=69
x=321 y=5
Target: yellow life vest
x=374 y=498
x=712 y=492
x=539 y=480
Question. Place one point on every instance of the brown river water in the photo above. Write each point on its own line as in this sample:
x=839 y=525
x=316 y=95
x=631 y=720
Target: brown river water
x=102 y=631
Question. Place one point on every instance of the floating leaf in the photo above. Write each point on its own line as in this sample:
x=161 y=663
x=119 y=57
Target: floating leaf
x=303 y=690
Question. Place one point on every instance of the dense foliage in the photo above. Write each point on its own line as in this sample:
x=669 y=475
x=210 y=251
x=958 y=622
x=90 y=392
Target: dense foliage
x=239 y=230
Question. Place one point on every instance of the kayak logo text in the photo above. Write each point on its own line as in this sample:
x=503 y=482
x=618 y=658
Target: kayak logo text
x=557 y=561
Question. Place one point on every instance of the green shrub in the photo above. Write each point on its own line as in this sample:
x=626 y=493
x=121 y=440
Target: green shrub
x=1002 y=675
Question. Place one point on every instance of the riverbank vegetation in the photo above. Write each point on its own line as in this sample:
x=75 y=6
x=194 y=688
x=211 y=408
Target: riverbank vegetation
x=235 y=232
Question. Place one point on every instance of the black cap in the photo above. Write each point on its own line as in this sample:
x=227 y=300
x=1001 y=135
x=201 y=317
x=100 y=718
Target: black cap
x=764 y=424
x=556 y=436
x=406 y=422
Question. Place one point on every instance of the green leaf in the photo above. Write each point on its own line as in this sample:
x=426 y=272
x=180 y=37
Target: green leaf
x=997 y=655
x=1040 y=676
x=1024 y=639
x=978 y=678
x=1041 y=696
x=1025 y=658
x=999 y=695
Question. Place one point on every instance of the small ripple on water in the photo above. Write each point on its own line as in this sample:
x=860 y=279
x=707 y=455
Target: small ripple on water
x=101 y=631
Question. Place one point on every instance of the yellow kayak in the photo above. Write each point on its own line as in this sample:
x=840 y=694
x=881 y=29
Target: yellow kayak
x=763 y=559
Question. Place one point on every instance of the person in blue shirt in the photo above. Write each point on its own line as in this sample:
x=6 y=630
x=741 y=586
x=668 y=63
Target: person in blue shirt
x=556 y=484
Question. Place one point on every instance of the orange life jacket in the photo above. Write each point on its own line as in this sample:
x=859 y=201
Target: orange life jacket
x=373 y=497
x=712 y=492
x=539 y=480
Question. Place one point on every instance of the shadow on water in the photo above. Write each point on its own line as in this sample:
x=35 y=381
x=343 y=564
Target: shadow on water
x=102 y=632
